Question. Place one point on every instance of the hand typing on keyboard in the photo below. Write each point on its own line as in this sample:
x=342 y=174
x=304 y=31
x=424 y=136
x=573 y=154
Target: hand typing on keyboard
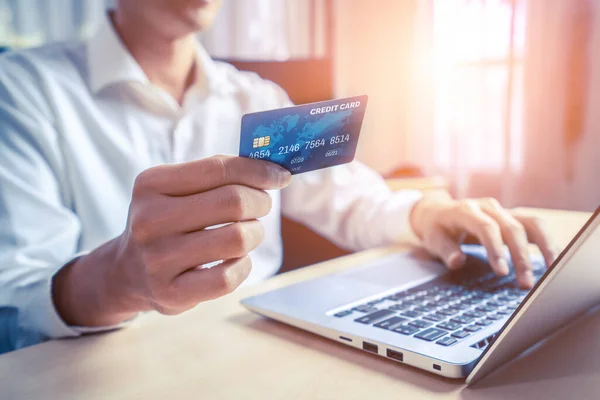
x=450 y=308
x=443 y=224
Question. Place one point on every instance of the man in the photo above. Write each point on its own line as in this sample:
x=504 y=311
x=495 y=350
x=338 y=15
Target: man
x=113 y=194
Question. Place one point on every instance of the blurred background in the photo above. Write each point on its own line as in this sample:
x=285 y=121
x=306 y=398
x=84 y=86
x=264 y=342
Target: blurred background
x=496 y=97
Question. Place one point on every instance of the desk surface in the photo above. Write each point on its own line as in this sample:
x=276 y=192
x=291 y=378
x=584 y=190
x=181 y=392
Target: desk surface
x=221 y=351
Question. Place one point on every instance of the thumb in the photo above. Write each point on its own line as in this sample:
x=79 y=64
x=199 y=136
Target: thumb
x=441 y=244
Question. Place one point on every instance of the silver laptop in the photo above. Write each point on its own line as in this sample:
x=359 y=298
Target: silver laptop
x=410 y=309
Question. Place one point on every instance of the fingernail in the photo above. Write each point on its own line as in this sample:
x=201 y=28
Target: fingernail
x=503 y=267
x=456 y=260
x=527 y=279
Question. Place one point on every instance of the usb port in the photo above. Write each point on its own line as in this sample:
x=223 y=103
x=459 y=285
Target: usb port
x=395 y=355
x=370 y=347
x=437 y=367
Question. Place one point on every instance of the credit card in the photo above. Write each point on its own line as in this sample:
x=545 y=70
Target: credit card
x=306 y=137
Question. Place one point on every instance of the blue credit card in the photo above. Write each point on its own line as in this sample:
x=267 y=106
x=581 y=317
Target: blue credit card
x=307 y=137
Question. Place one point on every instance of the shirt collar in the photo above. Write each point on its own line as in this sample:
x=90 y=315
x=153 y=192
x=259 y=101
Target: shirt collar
x=110 y=62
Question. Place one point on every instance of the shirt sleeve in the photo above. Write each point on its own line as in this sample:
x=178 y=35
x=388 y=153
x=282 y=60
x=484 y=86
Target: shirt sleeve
x=39 y=232
x=350 y=204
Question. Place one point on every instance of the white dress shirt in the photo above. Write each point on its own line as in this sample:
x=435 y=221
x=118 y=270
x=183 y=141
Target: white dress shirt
x=78 y=123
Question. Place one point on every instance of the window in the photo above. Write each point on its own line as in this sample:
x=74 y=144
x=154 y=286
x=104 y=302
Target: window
x=26 y=23
x=478 y=68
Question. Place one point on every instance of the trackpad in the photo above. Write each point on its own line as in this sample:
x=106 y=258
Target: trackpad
x=397 y=270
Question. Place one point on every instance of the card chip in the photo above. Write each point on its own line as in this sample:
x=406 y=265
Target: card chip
x=261 y=141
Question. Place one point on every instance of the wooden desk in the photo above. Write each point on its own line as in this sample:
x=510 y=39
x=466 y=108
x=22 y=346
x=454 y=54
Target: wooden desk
x=221 y=351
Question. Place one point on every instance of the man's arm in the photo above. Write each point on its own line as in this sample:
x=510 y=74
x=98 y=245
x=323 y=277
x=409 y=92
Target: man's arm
x=352 y=206
x=155 y=264
x=38 y=232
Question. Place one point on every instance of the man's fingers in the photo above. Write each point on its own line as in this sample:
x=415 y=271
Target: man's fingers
x=467 y=216
x=539 y=235
x=202 y=284
x=442 y=245
x=227 y=204
x=515 y=237
x=199 y=176
x=178 y=254
x=223 y=205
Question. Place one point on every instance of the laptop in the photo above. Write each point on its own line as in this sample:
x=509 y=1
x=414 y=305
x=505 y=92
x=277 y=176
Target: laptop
x=462 y=324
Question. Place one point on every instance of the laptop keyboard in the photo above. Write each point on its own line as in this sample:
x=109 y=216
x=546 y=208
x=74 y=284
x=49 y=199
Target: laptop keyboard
x=448 y=309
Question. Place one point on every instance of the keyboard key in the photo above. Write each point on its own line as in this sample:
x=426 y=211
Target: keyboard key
x=365 y=308
x=447 y=341
x=475 y=314
x=390 y=323
x=486 y=309
x=411 y=314
x=496 y=317
x=462 y=319
x=505 y=299
x=410 y=303
x=451 y=326
x=472 y=328
x=420 y=324
x=373 y=302
x=398 y=307
x=406 y=329
x=460 y=306
x=438 y=303
x=473 y=301
x=485 y=322
x=494 y=304
x=435 y=317
x=343 y=313
x=424 y=309
x=430 y=334
x=505 y=312
x=460 y=334
x=448 y=311
x=374 y=317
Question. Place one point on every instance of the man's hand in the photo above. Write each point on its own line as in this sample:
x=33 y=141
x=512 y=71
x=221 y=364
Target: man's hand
x=443 y=224
x=156 y=263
